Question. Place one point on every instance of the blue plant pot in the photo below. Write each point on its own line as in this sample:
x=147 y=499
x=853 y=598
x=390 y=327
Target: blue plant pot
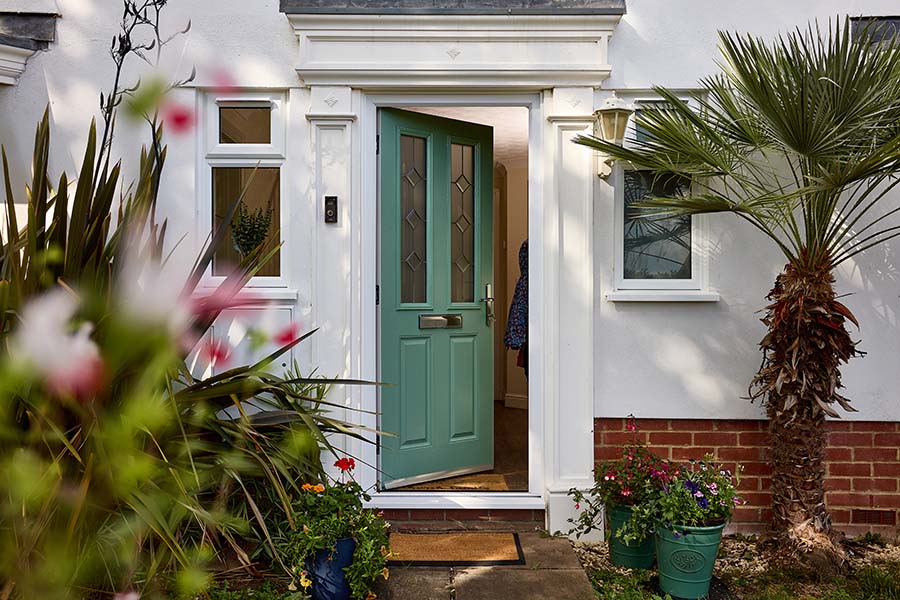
x=326 y=570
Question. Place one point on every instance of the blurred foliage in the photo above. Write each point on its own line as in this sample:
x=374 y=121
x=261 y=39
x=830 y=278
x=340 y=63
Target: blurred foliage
x=132 y=477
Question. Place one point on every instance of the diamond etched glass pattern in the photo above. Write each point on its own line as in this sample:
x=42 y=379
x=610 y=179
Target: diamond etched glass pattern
x=462 y=223
x=414 y=224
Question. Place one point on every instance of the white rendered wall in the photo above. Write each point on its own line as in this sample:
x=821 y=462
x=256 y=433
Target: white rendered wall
x=251 y=43
x=690 y=360
x=659 y=360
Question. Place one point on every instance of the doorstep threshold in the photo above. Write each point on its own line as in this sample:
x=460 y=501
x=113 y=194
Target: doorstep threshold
x=457 y=500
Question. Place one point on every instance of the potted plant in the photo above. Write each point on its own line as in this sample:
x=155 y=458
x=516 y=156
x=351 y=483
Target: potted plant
x=689 y=513
x=619 y=486
x=336 y=549
x=250 y=229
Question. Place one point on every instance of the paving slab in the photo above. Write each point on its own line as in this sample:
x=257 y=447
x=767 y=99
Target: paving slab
x=544 y=552
x=551 y=570
x=494 y=583
x=416 y=583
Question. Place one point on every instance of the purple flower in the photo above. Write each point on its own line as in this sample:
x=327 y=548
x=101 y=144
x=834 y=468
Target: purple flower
x=703 y=503
x=676 y=534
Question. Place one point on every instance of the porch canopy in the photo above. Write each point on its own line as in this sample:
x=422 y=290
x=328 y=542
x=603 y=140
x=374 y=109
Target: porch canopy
x=463 y=7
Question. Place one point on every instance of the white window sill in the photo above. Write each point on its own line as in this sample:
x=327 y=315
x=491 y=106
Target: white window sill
x=662 y=296
x=255 y=292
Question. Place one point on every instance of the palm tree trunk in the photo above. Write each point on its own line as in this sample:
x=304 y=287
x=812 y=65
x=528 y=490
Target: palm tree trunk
x=798 y=382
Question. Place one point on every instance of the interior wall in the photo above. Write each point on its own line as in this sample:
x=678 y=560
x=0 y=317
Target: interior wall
x=516 y=233
x=501 y=284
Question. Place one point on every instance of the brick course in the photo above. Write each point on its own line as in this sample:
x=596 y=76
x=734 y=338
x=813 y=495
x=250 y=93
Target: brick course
x=421 y=519
x=863 y=491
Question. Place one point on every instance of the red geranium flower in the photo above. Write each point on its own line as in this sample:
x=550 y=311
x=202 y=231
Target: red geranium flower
x=346 y=464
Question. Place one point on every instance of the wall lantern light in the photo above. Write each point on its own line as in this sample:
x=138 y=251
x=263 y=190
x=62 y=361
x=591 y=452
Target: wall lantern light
x=612 y=120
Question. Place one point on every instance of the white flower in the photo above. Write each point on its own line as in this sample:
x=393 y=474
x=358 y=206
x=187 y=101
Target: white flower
x=69 y=363
x=152 y=293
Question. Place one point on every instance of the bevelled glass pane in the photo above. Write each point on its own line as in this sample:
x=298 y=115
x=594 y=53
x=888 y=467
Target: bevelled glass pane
x=245 y=125
x=462 y=223
x=413 y=220
x=655 y=248
x=257 y=219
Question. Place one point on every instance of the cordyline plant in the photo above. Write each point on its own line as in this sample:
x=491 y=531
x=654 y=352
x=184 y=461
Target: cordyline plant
x=800 y=137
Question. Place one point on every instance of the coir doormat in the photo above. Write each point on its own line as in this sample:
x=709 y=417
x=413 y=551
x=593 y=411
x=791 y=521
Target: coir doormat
x=462 y=549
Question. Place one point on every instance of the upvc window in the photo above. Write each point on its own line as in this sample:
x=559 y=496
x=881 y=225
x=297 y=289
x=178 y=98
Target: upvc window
x=244 y=154
x=666 y=255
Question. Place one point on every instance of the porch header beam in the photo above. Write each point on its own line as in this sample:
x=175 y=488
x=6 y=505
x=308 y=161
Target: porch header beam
x=418 y=52
x=459 y=7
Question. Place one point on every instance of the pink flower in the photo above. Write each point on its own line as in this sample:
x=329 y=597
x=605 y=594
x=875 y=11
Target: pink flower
x=216 y=352
x=631 y=424
x=626 y=492
x=287 y=335
x=223 y=81
x=68 y=362
x=178 y=117
x=226 y=296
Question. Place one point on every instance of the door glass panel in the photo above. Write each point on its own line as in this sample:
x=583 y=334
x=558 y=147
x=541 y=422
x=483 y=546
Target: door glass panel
x=413 y=219
x=462 y=223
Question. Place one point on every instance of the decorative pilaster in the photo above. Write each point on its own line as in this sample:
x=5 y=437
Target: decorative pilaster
x=569 y=324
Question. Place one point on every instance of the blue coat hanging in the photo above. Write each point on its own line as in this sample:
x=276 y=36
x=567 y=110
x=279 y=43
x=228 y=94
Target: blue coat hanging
x=517 y=326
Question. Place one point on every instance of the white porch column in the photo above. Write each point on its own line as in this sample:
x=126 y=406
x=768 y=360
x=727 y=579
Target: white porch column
x=568 y=321
x=331 y=117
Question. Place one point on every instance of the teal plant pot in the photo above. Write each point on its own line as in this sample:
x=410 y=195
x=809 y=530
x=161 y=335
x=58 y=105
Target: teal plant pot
x=685 y=559
x=637 y=555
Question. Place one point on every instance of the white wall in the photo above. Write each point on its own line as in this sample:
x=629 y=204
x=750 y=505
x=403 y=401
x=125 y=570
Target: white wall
x=660 y=360
x=696 y=359
x=251 y=43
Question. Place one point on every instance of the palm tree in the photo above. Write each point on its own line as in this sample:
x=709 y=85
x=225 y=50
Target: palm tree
x=800 y=137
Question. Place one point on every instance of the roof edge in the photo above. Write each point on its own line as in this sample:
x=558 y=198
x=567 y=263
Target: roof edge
x=489 y=7
x=23 y=43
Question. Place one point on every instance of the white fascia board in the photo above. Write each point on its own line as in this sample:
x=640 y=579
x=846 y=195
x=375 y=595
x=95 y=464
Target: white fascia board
x=12 y=63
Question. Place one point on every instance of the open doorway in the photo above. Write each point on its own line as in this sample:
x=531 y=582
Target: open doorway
x=507 y=469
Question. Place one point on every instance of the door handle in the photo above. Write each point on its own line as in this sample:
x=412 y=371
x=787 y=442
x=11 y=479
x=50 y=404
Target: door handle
x=488 y=300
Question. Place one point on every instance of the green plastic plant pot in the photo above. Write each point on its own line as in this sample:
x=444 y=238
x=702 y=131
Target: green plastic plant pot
x=685 y=559
x=638 y=555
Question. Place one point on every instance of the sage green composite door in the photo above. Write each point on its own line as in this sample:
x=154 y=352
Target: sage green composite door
x=436 y=306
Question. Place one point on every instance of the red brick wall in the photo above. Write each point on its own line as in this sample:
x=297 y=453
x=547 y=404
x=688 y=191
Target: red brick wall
x=863 y=467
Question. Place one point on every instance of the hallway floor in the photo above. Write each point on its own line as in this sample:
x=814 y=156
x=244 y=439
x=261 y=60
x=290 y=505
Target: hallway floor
x=510 y=473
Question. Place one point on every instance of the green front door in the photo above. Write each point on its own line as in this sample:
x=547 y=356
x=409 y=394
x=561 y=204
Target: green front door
x=436 y=306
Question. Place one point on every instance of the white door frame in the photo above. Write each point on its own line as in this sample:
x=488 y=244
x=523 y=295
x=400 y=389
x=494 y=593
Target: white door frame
x=369 y=276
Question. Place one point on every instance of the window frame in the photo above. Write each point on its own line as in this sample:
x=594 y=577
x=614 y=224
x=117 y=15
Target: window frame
x=699 y=234
x=216 y=155
x=275 y=147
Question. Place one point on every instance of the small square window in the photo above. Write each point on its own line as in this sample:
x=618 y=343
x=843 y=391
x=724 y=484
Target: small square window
x=245 y=125
x=257 y=219
x=655 y=248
